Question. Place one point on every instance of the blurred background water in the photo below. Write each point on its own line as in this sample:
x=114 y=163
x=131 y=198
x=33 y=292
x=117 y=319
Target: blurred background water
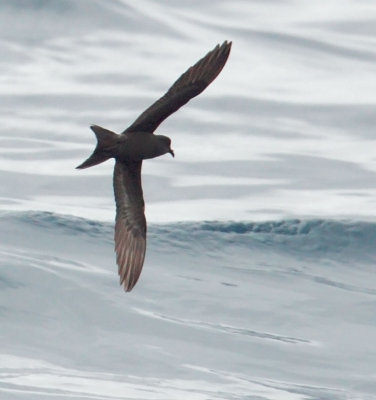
x=278 y=305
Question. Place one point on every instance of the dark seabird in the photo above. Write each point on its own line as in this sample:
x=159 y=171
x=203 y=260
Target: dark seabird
x=138 y=143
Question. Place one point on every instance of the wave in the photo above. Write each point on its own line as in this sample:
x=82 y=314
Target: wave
x=310 y=237
x=204 y=303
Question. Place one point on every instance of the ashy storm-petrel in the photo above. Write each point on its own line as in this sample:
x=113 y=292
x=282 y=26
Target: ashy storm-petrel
x=138 y=143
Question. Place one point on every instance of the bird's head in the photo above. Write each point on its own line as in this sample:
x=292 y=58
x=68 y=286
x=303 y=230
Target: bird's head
x=164 y=144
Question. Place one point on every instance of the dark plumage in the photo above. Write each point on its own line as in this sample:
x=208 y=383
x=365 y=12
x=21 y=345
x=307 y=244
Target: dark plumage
x=138 y=143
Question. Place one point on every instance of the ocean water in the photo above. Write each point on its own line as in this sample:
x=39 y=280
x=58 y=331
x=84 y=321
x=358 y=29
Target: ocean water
x=259 y=281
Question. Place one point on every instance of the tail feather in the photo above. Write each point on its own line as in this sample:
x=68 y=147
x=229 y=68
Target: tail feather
x=102 y=151
x=95 y=159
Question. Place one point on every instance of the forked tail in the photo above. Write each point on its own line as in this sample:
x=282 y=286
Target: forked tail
x=102 y=152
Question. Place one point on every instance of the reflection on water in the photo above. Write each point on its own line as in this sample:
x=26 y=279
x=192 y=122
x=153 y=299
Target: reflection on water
x=298 y=87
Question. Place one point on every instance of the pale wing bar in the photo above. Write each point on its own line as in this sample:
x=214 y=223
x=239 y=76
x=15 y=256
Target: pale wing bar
x=189 y=85
x=130 y=225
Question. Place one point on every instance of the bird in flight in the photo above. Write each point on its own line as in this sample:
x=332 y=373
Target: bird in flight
x=138 y=143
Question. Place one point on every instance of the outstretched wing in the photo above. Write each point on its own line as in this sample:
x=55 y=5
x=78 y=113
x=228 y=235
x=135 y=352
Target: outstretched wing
x=130 y=225
x=189 y=85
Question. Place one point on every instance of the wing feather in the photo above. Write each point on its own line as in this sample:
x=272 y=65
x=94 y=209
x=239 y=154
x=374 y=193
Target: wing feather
x=189 y=85
x=130 y=225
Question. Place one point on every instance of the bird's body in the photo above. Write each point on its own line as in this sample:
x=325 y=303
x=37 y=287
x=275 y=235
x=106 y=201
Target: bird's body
x=138 y=143
x=142 y=146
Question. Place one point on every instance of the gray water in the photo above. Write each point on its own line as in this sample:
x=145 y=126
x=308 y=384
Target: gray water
x=277 y=305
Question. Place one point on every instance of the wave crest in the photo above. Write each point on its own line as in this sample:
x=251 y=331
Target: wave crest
x=309 y=237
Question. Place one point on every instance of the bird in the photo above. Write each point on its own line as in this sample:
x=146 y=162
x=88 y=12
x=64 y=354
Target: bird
x=137 y=143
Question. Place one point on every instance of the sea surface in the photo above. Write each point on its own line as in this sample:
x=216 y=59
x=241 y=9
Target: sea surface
x=260 y=280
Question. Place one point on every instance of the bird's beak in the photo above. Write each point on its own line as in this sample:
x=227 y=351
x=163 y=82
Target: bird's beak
x=172 y=152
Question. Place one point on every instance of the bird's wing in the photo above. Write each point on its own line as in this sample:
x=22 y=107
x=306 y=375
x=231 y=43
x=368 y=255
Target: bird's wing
x=189 y=85
x=130 y=225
